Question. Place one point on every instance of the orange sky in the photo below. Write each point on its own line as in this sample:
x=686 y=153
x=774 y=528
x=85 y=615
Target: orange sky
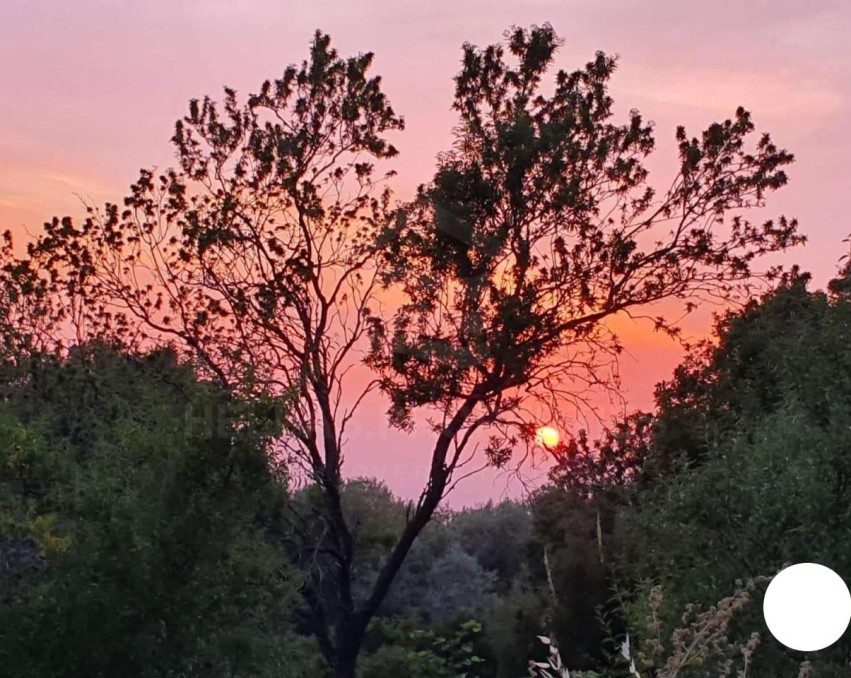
x=91 y=88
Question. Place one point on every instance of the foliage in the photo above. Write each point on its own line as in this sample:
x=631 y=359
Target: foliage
x=768 y=487
x=567 y=558
x=157 y=536
x=701 y=643
x=421 y=654
x=512 y=627
x=738 y=379
x=539 y=224
x=442 y=587
x=138 y=502
x=484 y=533
x=840 y=286
x=700 y=646
x=615 y=460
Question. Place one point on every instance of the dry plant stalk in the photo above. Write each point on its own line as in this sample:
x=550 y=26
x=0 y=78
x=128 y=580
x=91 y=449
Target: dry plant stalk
x=702 y=638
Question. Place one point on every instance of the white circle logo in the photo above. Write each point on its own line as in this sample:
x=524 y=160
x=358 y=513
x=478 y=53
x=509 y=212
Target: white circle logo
x=807 y=607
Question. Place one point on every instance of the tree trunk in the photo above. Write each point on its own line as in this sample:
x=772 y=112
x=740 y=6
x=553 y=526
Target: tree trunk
x=347 y=659
x=350 y=631
x=429 y=501
x=350 y=634
x=345 y=669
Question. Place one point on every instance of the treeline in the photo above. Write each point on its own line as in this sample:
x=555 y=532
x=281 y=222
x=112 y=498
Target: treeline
x=146 y=532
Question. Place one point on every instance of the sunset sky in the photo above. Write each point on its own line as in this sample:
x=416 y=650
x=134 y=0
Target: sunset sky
x=90 y=90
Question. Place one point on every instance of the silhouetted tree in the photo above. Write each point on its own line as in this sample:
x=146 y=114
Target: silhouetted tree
x=255 y=256
x=261 y=255
x=561 y=231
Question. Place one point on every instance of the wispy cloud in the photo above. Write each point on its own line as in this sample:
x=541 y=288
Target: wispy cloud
x=79 y=185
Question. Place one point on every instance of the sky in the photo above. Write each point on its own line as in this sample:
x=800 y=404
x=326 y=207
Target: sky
x=90 y=90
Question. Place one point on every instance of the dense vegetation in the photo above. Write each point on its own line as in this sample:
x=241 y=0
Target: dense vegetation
x=145 y=531
x=150 y=519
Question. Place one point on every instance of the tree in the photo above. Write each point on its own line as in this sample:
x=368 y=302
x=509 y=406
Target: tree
x=262 y=254
x=440 y=584
x=770 y=402
x=156 y=524
x=721 y=383
x=377 y=517
x=485 y=531
x=607 y=465
x=29 y=309
x=569 y=557
x=255 y=257
x=538 y=226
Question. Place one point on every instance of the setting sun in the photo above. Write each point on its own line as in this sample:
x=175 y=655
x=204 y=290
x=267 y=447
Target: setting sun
x=547 y=436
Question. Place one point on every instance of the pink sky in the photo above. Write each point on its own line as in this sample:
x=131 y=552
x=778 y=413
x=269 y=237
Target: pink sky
x=91 y=89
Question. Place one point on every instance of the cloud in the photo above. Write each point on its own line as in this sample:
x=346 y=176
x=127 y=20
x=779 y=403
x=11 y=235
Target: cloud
x=9 y=201
x=79 y=185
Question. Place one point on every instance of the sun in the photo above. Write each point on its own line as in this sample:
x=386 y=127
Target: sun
x=547 y=436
